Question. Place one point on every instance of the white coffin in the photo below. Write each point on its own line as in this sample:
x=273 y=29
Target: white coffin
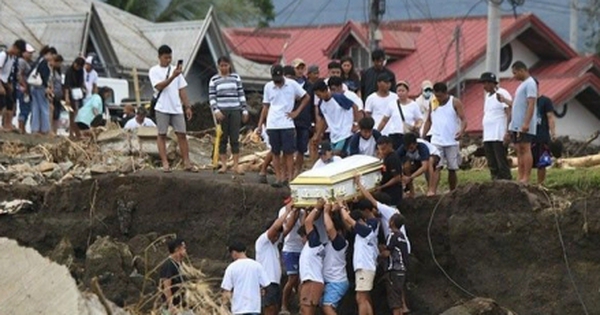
x=335 y=180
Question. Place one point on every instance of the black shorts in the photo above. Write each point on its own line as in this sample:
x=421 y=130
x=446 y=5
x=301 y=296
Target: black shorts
x=272 y=295
x=302 y=138
x=282 y=140
x=394 y=285
x=7 y=100
x=415 y=166
x=521 y=137
x=537 y=149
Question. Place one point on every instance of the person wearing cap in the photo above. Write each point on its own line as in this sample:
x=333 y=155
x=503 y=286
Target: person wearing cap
x=228 y=103
x=22 y=94
x=368 y=82
x=243 y=282
x=337 y=112
x=382 y=106
x=391 y=173
x=448 y=124
x=424 y=102
x=140 y=120
x=91 y=77
x=409 y=110
x=267 y=254
x=326 y=155
x=9 y=80
x=299 y=69
x=171 y=277
x=279 y=98
x=495 y=125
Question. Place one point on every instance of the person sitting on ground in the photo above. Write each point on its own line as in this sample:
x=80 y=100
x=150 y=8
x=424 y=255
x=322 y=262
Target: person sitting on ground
x=311 y=263
x=396 y=250
x=267 y=254
x=243 y=282
x=325 y=155
x=365 y=141
x=419 y=157
x=171 y=278
x=90 y=114
x=140 y=120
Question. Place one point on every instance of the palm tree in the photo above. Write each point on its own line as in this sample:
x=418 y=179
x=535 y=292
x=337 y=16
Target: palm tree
x=143 y=8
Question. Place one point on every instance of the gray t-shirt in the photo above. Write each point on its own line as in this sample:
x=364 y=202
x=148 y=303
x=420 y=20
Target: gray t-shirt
x=526 y=89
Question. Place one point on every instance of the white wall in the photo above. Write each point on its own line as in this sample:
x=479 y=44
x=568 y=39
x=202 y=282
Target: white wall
x=578 y=124
x=520 y=52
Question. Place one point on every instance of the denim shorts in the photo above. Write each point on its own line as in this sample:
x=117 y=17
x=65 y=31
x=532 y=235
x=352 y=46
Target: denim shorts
x=291 y=262
x=334 y=292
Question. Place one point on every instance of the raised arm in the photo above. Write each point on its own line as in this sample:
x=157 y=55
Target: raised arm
x=363 y=190
x=273 y=231
x=329 y=227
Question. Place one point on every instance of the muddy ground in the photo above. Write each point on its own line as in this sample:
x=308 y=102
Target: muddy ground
x=497 y=240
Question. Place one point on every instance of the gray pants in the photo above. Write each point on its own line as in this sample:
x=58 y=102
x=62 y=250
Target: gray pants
x=231 y=125
x=495 y=154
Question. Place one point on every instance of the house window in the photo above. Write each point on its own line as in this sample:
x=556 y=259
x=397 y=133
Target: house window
x=360 y=57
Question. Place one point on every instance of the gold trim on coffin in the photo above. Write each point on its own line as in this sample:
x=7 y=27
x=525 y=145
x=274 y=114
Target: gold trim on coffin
x=337 y=178
x=308 y=203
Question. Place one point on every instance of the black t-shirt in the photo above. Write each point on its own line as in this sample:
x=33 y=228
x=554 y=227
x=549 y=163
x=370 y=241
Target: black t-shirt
x=544 y=106
x=392 y=167
x=306 y=117
x=170 y=270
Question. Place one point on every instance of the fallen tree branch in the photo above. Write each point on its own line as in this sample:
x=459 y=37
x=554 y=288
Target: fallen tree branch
x=98 y=291
x=587 y=142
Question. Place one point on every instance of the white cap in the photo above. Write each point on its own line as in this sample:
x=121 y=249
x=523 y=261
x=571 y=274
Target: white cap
x=29 y=48
x=89 y=60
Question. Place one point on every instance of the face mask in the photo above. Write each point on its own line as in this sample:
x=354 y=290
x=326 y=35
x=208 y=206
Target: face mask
x=427 y=94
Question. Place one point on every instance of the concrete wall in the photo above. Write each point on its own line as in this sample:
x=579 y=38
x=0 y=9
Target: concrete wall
x=578 y=123
x=520 y=52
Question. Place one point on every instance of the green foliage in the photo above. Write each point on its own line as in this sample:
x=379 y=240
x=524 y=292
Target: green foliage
x=143 y=8
x=267 y=10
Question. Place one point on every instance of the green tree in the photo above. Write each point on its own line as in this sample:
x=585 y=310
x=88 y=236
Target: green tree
x=143 y=8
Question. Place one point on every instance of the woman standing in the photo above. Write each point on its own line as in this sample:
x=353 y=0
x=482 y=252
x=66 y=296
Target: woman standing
x=40 y=108
x=73 y=91
x=57 y=92
x=228 y=104
x=349 y=75
x=409 y=109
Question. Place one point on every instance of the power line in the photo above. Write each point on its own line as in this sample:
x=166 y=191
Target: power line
x=347 y=9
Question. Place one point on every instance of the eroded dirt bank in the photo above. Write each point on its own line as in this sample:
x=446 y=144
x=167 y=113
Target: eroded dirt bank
x=497 y=240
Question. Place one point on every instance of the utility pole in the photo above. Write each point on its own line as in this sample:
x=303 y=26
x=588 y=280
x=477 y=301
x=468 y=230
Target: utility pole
x=574 y=24
x=457 y=52
x=376 y=13
x=492 y=56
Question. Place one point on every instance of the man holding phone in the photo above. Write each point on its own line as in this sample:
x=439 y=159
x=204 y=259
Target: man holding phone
x=171 y=100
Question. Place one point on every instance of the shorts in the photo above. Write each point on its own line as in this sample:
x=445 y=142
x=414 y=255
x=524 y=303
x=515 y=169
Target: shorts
x=364 y=280
x=272 y=295
x=521 y=137
x=7 y=100
x=334 y=292
x=164 y=120
x=302 y=138
x=291 y=262
x=394 y=285
x=311 y=293
x=340 y=146
x=450 y=155
x=24 y=107
x=282 y=140
x=537 y=149
x=414 y=166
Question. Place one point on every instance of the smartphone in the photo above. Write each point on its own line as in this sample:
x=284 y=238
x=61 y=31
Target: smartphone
x=179 y=63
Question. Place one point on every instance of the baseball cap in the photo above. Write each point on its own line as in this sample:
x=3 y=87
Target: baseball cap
x=296 y=62
x=89 y=60
x=488 y=77
x=29 y=48
x=277 y=71
x=324 y=147
x=426 y=85
x=313 y=69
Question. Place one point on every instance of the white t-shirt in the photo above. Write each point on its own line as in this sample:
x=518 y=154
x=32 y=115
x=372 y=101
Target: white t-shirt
x=365 y=251
x=311 y=263
x=334 y=264
x=267 y=254
x=495 y=119
x=293 y=241
x=412 y=114
x=367 y=147
x=133 y=124
x=6 y=63
x=386 y=214
x=281 y=102
x=433 y=150
x=380 y=107
x=169 y=101
x=344 y=89
x=338 y=119
x=245 y=277
x=319 y=163
x=90 y=79
x=356 y=99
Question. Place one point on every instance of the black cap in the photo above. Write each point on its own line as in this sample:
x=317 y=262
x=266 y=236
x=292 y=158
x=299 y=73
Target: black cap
x=488 y=77
x=237 y=247
x=277 y=71
x=383 y=77
x=324 y=147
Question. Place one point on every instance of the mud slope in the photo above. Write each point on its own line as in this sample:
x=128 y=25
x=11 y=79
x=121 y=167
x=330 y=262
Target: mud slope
x=497 y=240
